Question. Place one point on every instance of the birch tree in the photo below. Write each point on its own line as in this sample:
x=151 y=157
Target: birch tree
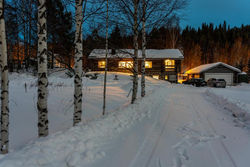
x=78 y=63
x=106 y=60
x=135 y=57
x=143 y=48
x=42 y=71
x=139 y=15
x=4 y=84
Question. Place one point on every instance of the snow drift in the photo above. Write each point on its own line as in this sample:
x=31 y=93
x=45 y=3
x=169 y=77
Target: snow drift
x=237 y=107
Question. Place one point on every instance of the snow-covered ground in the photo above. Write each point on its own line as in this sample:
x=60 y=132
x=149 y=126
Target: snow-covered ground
x=235 y=99
x=173 y=126
x=23 y=111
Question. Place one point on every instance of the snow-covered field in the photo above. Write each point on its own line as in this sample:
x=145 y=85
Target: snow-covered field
x=23 y=111
x=173 y=126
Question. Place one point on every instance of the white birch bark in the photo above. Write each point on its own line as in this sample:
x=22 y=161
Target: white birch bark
x=135 y=57
x=78 y=64
x=106 y=61
x=143 y=49
x=4 y=84
x=42 y=71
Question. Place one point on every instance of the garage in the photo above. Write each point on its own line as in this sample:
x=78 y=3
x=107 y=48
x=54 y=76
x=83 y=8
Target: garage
x=217 y=70
x=228 y=77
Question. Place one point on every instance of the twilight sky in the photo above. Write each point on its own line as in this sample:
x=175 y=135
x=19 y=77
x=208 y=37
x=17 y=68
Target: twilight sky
x=235 y=12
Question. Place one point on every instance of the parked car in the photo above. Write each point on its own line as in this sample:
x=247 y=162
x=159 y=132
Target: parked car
x=221 y=83
x=211 y=82
x=218 y=83
x=195 y=82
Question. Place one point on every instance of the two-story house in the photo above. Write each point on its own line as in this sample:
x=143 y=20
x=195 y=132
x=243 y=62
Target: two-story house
x=162 y=64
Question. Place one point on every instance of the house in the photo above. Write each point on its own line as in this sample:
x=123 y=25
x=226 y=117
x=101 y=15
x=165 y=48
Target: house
x=217 y=70
x=162 y=64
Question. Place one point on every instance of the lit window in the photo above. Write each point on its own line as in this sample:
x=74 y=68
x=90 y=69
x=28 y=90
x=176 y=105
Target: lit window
x=125 y=64
x=148 y=64
x=101 y=64
x=156 y=76
x=169 y=63
x=196 y=76
x=57 y=63
x=166 y=77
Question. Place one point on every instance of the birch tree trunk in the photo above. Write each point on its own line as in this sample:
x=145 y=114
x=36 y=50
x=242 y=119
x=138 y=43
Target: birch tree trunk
x=4 y=85
x=78 y=64
x=135 y=57
x=106 y=61
x=42 y=71
x=143 y=49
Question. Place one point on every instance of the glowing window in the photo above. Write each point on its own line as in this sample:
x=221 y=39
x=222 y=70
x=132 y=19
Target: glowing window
x=58 y=64
x=101 y=64
x=156 y=76
x=148 y=64
x=169 y=63
x=197 y=76
x=166 y=77
x=125 y=64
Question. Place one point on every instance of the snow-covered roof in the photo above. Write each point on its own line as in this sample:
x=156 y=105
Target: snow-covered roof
x=128 y=53
x=205 y=67
x=243 y=73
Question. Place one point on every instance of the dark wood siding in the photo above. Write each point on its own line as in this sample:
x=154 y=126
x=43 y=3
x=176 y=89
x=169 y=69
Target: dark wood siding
x=158 y=67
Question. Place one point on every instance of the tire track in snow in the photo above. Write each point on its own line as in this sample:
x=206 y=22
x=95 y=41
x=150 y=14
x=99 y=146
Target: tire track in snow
x=148 y=137
x=199 y=114
x=200 y=118
x=193 y=138
x=158 y=140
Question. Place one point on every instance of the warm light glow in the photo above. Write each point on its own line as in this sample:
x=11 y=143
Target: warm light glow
x=169 y=63
x=197 y=76
x=58 y=64
x=125 y=64
x=148 y=64
x=101 y=64
x=156 y=76
x=182 y=78
x=166 y=77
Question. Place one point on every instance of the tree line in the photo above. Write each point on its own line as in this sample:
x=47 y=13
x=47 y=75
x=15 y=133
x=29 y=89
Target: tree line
x=206 y=44
x=210 y=43
x=202 y=45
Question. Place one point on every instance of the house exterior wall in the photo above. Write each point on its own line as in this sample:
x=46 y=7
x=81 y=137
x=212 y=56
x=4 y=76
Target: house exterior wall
x=158 y=67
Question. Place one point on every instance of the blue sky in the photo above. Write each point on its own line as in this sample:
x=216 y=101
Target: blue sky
x=235 y=12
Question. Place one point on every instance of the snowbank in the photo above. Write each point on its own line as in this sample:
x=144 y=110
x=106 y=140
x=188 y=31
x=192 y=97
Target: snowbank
x=230 y=99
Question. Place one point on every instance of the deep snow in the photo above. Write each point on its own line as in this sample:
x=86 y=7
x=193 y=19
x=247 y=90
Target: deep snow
x=173 y=126
x=23 y=111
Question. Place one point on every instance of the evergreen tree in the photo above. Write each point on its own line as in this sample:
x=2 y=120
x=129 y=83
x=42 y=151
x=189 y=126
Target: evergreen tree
x=60 y=34
x=116 y=38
